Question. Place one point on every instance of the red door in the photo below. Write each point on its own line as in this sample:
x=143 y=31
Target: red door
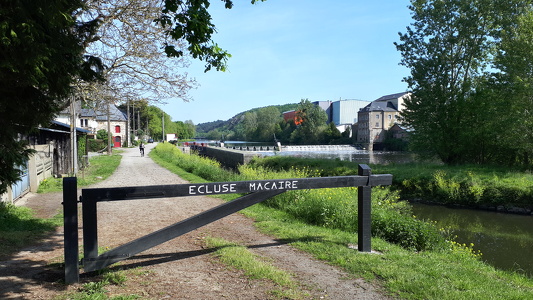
x=117 y=142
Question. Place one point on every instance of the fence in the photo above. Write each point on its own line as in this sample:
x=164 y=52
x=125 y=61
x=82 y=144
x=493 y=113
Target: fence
x=256 y=192
x=38 y=168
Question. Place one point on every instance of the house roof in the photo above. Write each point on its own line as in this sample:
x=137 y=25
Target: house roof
x=384 y=103
x=402 y=127
x=101 y=114
x=379 y=106
x=391 y=96
x=62 y=127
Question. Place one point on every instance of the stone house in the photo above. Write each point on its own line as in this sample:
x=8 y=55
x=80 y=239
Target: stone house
x=378 y=117
x=93 y=120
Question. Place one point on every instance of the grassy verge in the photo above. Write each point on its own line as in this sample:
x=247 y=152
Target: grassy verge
x=471 y=185
x=255 y=267
x=100 y=167
x=449 y=271
x=18 y=226
x=453 y=273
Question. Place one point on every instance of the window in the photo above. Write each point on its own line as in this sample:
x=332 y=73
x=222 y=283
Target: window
x=390 y=117
x=377 y=117
x=377 y=124
x=117 y=129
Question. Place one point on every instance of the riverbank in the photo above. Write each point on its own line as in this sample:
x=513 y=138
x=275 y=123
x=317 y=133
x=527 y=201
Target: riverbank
x=470 y=186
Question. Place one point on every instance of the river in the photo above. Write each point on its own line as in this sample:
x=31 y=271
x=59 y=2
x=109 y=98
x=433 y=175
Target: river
x=505 y=240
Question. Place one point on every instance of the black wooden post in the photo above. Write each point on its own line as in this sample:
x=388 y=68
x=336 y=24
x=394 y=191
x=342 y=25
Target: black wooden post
x=90 y=232
x=70 y=225
x=364 y=195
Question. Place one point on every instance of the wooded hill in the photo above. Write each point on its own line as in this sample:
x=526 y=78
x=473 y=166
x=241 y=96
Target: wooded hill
x=203 y=129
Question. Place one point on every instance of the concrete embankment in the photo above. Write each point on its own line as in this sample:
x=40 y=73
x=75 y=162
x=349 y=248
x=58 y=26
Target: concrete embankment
x=229 y=158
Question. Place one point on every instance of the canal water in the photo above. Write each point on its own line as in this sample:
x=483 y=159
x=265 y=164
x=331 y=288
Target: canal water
x=505 y=240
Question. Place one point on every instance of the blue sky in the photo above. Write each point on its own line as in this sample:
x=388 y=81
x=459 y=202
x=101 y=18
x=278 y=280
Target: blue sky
x=287 y=50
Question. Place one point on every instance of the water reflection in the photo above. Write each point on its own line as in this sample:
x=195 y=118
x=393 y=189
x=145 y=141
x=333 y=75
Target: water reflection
x=506 y=240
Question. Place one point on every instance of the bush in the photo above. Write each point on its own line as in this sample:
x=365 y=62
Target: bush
x=101 y=134
x=201 y=166
x=469 y=185
x=95 y=145
x=336 y=208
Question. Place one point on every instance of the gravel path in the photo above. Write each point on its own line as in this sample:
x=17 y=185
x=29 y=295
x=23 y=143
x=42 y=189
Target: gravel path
x=178 y=269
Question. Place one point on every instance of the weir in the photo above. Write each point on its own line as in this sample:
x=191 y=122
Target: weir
x=319 y=148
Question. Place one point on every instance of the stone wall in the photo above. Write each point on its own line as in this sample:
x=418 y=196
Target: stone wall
x=228 y=157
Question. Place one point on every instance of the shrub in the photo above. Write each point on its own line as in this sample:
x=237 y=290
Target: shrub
x=101 y=134
x=337 y=208
x=95 y=145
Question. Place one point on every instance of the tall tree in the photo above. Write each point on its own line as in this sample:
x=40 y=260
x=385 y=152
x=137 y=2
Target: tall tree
x=42 y=47
x=185 y=130
x=41 y=54
x=514 y=89
x=130 y=44
x=250 y=125
x=448 y=49
x=156 y=118
x=268 y=119
x=312 y=123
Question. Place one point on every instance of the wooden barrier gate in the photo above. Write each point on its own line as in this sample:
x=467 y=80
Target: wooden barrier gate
x=258 y=191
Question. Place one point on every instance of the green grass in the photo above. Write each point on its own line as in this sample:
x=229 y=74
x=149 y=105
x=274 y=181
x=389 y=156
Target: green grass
x=98 y=289
x=18 y=228
x=100 y=168
x=255 y=267
x=471 y=185
x=451 y=272
x=445 y=274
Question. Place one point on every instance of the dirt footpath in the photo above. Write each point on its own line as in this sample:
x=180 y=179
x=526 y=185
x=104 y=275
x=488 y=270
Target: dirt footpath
x=178 y=269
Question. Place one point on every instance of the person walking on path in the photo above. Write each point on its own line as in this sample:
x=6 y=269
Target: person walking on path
x=141 y=148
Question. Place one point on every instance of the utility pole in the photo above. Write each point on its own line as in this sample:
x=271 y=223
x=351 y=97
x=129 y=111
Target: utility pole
x=139 y=119
x=109 y=139
x=128 y=122
x=133 y=120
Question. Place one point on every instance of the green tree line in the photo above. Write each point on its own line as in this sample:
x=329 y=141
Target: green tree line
x=267 y=123
x=471 y=64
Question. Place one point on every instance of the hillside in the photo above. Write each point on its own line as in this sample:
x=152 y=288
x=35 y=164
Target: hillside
x=229 y=125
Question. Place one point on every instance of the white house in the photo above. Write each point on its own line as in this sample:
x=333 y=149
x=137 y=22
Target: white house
x=96 y=119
